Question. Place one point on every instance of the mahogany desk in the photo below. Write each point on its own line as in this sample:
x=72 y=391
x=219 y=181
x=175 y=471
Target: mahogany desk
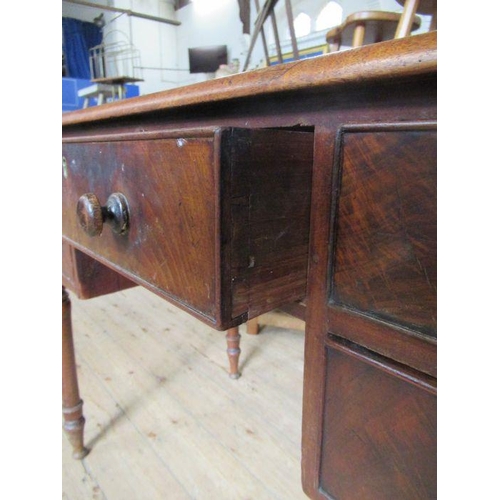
x=311 y=181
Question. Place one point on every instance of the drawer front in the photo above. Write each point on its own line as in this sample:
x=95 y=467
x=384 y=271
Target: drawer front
x=379 y=428
x=218 y=218
x=169 y=186
x=385 y=249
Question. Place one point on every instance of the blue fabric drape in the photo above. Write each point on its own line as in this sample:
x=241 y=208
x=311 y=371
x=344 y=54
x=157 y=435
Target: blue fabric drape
x=78 y=38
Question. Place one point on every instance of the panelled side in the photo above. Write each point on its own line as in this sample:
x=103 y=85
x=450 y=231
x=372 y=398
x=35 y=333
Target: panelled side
x=386 y=246
x=379 y=416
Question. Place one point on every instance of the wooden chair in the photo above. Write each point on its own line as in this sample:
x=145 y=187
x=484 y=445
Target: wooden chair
x=291 y=316
x=366 y=27
x=267 y=12
x=410 y=10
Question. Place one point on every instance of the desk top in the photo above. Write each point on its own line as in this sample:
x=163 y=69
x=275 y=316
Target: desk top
x=394 y=59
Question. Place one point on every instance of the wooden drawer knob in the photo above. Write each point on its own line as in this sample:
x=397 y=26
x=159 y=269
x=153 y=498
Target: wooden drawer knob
x=92 y=215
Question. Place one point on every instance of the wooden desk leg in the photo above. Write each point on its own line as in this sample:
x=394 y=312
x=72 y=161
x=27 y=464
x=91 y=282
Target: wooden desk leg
x=253 y=326
x=72 y=404
x=233 y=351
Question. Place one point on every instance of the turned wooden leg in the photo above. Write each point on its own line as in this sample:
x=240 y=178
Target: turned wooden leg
x=233 y=351
x=253 y=326
x=72 y=404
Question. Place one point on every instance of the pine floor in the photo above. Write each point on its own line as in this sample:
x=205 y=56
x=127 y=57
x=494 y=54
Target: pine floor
x=164 y=420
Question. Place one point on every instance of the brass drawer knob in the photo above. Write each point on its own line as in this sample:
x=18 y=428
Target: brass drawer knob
x=92 y=215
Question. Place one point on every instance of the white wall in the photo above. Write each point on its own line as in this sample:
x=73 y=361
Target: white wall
x=205 y=23
x=155 y=42
x=79 y=12
x=209 y=22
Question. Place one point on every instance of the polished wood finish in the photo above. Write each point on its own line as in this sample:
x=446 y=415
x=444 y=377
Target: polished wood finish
x=358 y=35
x=379 y=436
x=404 y=58
x=74 y=420
x=387 y=339
x=386 y=234
x=369 y=116
x=379 y=305
x=157 y=249
x=409 y=11
x=205 y=208
x=270 y=205
x=92 y=216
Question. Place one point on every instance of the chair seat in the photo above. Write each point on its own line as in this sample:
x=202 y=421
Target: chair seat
x=378 y=26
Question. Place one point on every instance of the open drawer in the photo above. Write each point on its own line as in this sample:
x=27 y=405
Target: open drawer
x=214 y=220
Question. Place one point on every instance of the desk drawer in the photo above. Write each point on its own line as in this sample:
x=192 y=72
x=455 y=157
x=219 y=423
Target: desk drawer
x=218 y=219
x=379 y=429
x=383 y=279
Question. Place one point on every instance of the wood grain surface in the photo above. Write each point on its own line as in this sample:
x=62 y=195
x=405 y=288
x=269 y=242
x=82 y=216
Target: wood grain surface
x=382 y=100
x=380 y=432
x=170 y=189
x=385 y=261
x=218 y=218
x=390 y=60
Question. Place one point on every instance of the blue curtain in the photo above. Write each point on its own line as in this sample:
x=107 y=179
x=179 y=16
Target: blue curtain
x=78 y=38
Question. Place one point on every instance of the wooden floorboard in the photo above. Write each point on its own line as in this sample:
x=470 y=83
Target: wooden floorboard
x=165 y=421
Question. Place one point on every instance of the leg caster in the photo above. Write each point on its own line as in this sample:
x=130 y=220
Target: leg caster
x=72 y=404
x=233 y=351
